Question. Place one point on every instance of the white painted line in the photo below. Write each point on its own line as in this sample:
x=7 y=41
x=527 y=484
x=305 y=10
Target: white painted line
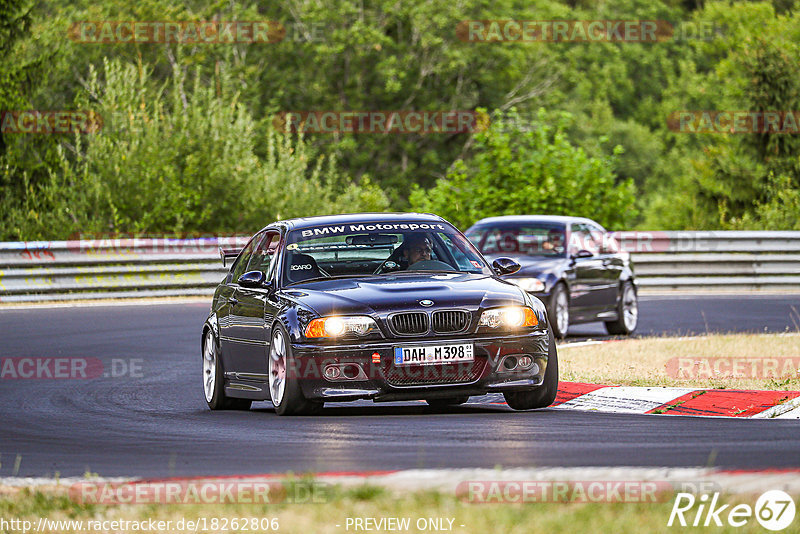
x=787 y=410
x=579 y=344
x=625 y=399
x=792 y=414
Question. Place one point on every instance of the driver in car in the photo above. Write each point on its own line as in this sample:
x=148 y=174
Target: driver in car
x=417 y=248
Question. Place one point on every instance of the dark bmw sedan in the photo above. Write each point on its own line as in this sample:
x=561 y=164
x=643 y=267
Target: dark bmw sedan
x=572 y=264
x=386 y=307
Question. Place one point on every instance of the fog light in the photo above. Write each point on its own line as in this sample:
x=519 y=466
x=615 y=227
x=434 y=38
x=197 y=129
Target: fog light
x=510 y=363
x=331 y=372
x=524 y=362
x=350 y=371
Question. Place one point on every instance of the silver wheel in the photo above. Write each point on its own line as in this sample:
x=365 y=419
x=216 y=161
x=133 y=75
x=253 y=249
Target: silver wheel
x=630 y=308
x=562 y=312
x=209 y=366
x=277 y=368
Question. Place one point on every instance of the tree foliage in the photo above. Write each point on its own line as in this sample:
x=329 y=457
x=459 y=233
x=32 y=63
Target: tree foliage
x=536 y=170
x=179 y=158
x=197 y=151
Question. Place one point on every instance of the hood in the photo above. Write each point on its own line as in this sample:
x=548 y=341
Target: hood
x=379 y=295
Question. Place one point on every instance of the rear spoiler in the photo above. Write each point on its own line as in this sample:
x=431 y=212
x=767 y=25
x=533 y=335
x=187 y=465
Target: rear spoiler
x=226 y=253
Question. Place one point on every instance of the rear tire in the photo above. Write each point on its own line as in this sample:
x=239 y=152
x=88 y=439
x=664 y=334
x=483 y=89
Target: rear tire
x=445 y=402
x=627 y=312
x=284 y=384
x=558 y=310
x=544 y=395
x=214 y=378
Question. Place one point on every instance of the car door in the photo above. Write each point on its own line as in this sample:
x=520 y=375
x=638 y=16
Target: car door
x=253 y=312
x=612 y=267
x=228 y=314
x=585 y=298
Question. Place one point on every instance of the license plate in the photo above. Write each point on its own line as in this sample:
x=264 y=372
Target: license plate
x=433 y=354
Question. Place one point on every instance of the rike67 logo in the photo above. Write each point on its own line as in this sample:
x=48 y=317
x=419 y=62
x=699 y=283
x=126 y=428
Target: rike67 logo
x=774 y=510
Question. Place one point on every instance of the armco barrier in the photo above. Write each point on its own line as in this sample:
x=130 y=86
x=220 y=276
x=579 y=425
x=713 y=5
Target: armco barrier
x=111 y=268
x=119 y=268
x=714 y=260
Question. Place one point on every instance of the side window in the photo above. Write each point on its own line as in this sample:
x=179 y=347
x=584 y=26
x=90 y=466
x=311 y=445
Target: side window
x=604 y=240
x=238 y=268
x=263 y=256
x=581 y=239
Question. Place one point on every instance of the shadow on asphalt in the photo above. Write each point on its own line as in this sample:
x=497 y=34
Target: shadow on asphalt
x=340 y=410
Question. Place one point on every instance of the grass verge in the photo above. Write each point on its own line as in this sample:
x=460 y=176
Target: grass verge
x=370 y=502
x=730 y=361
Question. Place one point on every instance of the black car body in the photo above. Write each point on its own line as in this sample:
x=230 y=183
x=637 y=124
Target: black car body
x=571 y=263
x=325 y=309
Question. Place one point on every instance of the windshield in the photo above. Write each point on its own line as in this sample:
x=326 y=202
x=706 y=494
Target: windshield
x=370 y=248
x=529 y=239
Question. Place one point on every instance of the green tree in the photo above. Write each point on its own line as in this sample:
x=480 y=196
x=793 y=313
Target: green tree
x=529 y=169
x=181 y=160
x=730 y=180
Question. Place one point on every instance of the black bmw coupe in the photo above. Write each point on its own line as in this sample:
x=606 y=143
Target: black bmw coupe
x=570 y=263
x=387 y=307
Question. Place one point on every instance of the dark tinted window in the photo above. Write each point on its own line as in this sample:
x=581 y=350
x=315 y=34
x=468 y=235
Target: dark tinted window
x=264 y=254
x=369 y=248
x=239 y=268
x=528 y=239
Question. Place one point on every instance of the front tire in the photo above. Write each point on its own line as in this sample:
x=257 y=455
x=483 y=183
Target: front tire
x=284 y=385
x=544 y=395
x=213 y=378
x=627 y=312
x=558 y=310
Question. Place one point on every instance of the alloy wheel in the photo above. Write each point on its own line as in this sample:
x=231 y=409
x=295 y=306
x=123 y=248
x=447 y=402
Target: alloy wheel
x=209 y=366
x=630 y=308
x=277 y=368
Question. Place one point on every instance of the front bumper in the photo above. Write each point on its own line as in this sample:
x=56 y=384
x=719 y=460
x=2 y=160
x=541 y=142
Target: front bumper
x=379 y=379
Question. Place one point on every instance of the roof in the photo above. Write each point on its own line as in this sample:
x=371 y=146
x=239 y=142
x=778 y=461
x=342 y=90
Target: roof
x=351 y=218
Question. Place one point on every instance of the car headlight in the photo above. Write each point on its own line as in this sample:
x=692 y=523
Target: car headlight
x=528 y=284
x=510 y=317
x=340 y=326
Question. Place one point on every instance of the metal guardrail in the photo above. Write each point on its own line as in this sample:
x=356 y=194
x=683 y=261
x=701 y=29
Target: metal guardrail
x=714 y=260
x=111 y=268
x=120 y=268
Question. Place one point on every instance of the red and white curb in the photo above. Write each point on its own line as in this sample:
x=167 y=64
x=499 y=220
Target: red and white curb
x=679 y=401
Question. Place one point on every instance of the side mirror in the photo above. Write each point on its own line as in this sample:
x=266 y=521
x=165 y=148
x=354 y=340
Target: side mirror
x=583 y=254
x=505 y=266
x=251 y=279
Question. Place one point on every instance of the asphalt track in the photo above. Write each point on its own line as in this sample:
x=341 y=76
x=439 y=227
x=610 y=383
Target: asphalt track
x=156 y=423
